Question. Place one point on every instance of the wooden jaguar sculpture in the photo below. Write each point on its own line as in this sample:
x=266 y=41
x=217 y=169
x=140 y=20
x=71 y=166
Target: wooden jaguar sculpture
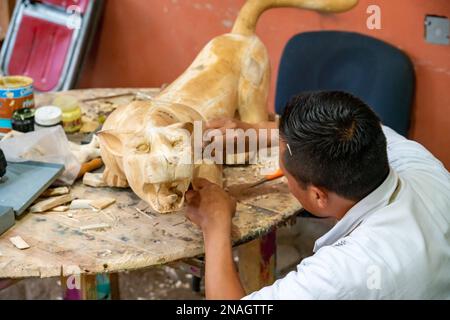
x=142 y=144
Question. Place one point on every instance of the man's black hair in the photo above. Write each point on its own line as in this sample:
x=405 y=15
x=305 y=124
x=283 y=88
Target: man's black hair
x=337 y=143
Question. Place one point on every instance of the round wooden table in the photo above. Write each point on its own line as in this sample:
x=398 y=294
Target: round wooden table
x=138 y=238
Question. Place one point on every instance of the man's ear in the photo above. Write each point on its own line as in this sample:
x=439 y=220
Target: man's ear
x=111 y=141
x=319 y=196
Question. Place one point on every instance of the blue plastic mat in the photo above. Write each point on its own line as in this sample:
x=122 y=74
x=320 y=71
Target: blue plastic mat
x=25 y=182
x=7 y=219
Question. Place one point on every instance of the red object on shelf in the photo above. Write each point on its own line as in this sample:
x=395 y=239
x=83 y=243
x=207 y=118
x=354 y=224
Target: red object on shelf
x=48 y=41
x=40 y=51
x=82 y=4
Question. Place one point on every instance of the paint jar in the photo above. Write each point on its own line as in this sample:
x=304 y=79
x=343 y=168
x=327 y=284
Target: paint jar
x=22 y=120
x=71 y=112
x=47 y=117
x=16 y=92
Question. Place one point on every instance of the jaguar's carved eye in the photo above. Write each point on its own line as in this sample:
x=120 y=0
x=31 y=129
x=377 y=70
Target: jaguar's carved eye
x=143 y=148
x=177 y=142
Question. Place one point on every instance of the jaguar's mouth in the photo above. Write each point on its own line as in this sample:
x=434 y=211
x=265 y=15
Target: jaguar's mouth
x=166 y=197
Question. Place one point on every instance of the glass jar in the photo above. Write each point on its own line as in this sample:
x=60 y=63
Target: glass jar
x=22 y=120
x=71 y=112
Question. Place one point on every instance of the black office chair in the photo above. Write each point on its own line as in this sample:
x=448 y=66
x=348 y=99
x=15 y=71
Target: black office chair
x=378 y=73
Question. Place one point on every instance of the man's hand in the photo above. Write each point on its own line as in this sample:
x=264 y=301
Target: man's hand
x=229 y=123
x=210 y=207
x=265 y=128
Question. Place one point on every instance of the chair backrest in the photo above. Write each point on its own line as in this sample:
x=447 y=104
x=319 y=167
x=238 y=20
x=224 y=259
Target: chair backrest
x=378 y=73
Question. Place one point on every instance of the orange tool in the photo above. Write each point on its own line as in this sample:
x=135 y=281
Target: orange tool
x=89 y=167
x=273 y=176
x=238 y=189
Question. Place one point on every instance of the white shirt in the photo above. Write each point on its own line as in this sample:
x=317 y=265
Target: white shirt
x=394 y=244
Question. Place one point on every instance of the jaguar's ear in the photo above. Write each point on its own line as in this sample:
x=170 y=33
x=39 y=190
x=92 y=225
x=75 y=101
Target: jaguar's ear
x=188 y=126
x=110 y=140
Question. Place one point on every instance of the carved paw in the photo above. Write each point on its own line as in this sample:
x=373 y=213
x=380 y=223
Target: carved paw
x=114 y=180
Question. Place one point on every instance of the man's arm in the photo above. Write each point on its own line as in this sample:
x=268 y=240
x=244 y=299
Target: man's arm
x=221 y=278
x=212 y=209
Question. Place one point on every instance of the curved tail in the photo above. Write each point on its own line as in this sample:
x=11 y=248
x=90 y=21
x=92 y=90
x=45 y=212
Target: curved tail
x=252 y=10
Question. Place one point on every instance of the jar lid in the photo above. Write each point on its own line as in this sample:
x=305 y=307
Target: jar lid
x=14 y=82
x=23 y=114
x=48 y=116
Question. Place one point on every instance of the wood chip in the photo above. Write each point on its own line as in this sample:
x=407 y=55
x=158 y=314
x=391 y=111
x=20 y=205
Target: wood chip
x=61 y=209
x=99 y=226
x=50 y=203
x=19 y=243
x=102 y=203
x=94 y=180
x=98 y=204
x=56 y=192
x=80 y=204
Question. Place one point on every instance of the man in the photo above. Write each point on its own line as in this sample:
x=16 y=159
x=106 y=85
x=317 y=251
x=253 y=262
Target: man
x=390 y=196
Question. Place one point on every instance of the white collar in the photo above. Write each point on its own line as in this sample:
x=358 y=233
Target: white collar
x=355 y=216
